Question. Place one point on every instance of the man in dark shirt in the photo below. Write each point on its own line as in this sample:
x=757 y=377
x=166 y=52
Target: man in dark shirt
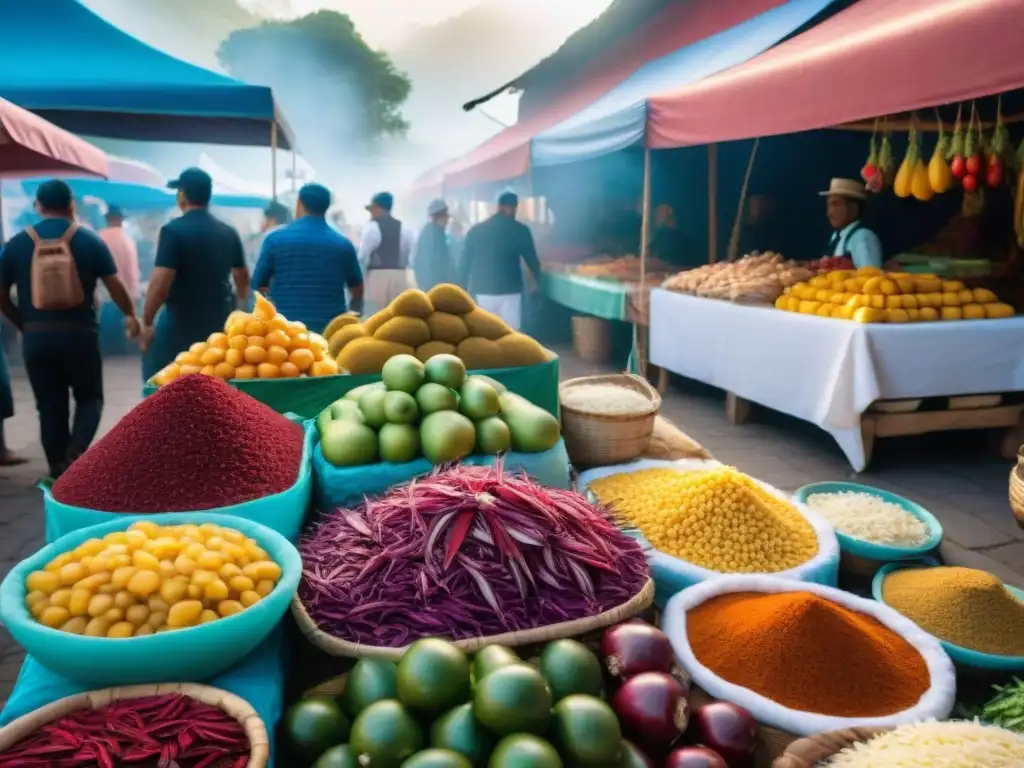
x=433 y=262
x=196 y=258
x=491 y=263
x=307 y=265
x=61 y=348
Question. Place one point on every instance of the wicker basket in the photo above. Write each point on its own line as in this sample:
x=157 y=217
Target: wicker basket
x=236 y=707
x=1017 y=491
x=338 y=647
x=810 y=751
x=599 y=439
x=591 y=339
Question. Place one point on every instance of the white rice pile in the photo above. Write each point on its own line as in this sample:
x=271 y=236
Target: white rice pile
x=604 y=398
x=936 y=745
x=870 y=518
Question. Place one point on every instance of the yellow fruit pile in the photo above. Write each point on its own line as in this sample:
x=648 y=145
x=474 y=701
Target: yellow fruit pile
x=869 y=296
x=259 y=345
x=444 y=321
x=718 y=519
x=149 y=579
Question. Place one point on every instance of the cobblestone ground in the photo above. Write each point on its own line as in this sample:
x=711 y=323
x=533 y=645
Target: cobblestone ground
x=955 y=476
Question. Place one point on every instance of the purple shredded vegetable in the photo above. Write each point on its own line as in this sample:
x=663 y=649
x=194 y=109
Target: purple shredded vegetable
x=465 y=552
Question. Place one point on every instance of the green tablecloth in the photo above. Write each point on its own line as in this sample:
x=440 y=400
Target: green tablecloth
x=587 y=295
x=308 y=396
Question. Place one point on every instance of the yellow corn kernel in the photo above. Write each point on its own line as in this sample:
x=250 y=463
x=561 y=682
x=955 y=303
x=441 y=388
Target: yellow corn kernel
x=184 y=614
x=207 y=616
x=264 y=587
x=124 y=600
x=78 y=605
x=145 y=560
x=61 y=598
x=210 y=561
x=157 y=619
x=249 y=597
x=216 y=590
x=172 y=592
x=54 y=617
x=71 y=573
x=100 y=604
x=144 y=583
x=34 y=597
x=144 y=630
x=95 y=581
x=229 y=608
x=241 y=584
x=42 y=581
x=97 y=628
x=114 y=615
x=137 y=615
x=121 y=629
x=123 y=575
x=75 y=625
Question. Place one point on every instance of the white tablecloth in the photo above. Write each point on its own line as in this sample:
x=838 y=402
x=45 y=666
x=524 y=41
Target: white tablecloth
x=828 y=371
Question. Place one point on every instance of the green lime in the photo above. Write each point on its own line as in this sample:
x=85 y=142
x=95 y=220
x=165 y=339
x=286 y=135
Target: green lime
x=437 y=758
x=385 y=734
x=314 y=725
x=369 y=681
x=460 y=731
x=570 y=667
x=513 y=699
x=522 y=750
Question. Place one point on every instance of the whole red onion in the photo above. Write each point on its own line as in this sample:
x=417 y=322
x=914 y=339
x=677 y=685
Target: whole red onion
x=652 y=707
x=695 y=757
x=727 y=729
x=631 y=648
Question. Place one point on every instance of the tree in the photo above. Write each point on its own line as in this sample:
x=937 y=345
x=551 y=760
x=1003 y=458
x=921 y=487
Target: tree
x=336 y=91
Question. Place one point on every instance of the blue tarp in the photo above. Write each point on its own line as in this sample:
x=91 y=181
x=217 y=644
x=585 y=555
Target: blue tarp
x=138 y=197
x=617 y=120
x=70 y=66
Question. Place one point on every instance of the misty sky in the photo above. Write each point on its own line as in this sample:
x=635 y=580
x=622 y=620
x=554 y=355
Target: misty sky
x=383 y=22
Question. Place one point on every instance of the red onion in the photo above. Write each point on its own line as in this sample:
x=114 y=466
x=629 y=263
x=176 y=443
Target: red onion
x=695 y=757
x=631 y=648
x=727 y=729
x=652 y=707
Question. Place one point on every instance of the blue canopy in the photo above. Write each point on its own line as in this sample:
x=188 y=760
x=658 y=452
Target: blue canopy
x=73 y=68
x=617 y=120
x=138 y=197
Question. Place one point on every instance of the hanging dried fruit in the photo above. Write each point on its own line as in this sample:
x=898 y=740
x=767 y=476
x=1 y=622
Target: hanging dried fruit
x=957 y=161
x=886 y=166
x=905 y=175
x=939 y=175
x=997 y=151
x=972 y=158
x=871 y=172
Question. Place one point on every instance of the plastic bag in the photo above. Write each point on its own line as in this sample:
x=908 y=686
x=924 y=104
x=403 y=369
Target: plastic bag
x=672 y=575
x=283 y=512
x=937 y=702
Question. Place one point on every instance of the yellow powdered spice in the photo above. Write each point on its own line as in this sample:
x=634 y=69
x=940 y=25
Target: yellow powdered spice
x=963 y=606
x=718 y=519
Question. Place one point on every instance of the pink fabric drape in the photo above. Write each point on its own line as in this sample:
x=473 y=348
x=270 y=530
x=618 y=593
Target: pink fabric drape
x=30 y=146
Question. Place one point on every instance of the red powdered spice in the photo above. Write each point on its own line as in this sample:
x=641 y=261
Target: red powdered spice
x=197 y=443
x=171 y=729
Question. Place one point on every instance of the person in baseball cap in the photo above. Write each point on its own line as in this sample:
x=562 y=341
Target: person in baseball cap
x=195 y=188
x=850 y=237
x=433 y=263
x=385 y=253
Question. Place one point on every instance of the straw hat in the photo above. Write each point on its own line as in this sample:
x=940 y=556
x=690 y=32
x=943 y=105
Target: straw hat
x=846 y=188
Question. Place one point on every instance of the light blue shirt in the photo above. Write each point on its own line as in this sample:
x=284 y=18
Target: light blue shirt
x=863 y=246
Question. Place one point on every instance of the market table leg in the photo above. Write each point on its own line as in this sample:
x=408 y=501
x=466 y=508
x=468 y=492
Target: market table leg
x=867 y=437
x=662 y=380
x=737 y=410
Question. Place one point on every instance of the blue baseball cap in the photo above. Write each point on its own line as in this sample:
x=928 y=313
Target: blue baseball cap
x=196 y=184
x=115 y=212
x=315 y=198
x=510 y=199
x=383 y=200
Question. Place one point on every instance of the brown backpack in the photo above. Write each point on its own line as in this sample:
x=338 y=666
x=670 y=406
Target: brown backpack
x=55 y=281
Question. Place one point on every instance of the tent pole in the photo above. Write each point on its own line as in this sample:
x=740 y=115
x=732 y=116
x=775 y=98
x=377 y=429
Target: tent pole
x=734 y=238
x=645 y=239
x=273 y=159
x=712 y=203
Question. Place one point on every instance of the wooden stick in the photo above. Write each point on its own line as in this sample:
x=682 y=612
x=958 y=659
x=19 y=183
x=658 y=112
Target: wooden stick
x=645 y=230
x=712 y=203
x=734 y=238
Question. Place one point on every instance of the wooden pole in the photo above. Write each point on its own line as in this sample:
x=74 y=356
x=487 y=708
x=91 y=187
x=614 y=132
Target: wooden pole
x=273 y=159
x=645 y=235
x=734 y=238
x=712 y=203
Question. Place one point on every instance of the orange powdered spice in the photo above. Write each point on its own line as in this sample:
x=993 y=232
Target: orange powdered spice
x=807 y=653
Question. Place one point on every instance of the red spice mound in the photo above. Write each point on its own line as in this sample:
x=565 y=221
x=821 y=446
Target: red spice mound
x=170 y=729
x=197 y=443
x=807 y=653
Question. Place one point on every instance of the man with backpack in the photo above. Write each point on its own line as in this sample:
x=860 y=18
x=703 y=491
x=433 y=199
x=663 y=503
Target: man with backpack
x=54 y=267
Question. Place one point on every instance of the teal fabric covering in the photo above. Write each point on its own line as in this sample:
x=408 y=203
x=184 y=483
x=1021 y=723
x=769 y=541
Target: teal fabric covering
x=338 y=486
x=139 y=197
x=283 y=512
x=309 y=395
x=258 y=678
x=69 y=65
x=587 y=295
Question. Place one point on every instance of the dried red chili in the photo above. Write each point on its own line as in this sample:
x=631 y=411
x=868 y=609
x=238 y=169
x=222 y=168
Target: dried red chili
x=153 y=730
x=196 y=443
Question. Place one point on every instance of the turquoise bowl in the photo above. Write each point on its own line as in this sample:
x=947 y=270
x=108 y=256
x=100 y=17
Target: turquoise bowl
x=960 y=655
x=869 y=550
x=180 y=655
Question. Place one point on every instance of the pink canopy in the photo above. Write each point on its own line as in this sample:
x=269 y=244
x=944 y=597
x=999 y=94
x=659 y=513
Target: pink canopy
x=877 y=57
x=30 y=146
x=507 y=155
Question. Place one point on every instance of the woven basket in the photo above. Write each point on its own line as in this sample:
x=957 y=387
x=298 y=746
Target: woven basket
x=1017 y=491
x=669 y=443
x=770 y=742
x=236 y=707
x=338 y=647
x=591 y=339
x=599 y=439
x=810 y=751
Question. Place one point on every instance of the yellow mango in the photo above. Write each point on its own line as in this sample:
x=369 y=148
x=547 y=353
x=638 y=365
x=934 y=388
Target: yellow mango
x=928 y=284
x=869 y=272
x=877 y=302
x=951 y=299
x=952 y=313
x=792 y=304
x=973 y=312
x=940 y=177
x=894 y=302
x=952 y=286
x=808 y=307
x=897 y=316
x=998 y=311
x=873 y=286
x=909 y=301
x=869 y=315
x=920 y=186
x=782 y=302
x=825 y=310
x=984 y=296
x=904 y=177
x=888 y=287
x=928 y=314
x=914 y=315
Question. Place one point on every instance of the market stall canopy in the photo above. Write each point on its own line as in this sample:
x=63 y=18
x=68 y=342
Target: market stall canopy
x=877 y=57
x=29 y=144
x=227 y=183
x=65 y=63
x=656 y=56
x=140 y=197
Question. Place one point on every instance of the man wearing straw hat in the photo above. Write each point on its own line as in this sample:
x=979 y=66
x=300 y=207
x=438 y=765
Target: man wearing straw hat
x=850 y=238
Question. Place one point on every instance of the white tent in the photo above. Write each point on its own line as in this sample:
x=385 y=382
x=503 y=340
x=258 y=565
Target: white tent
x=225 y=182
